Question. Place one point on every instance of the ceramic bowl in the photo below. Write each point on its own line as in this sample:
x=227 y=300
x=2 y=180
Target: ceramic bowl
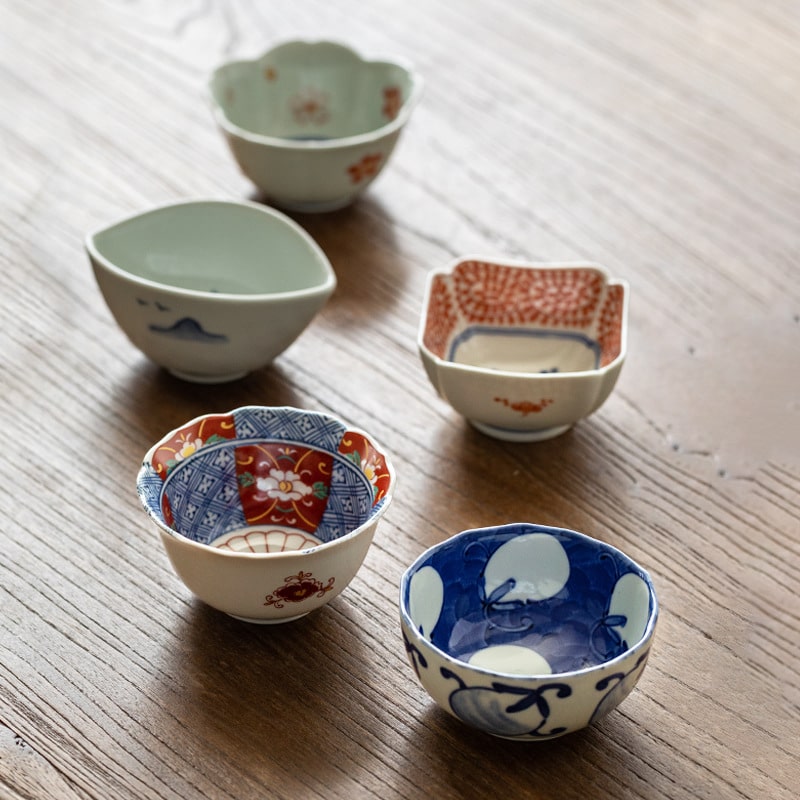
x=523 y=351
x=527 y=632
x=266 y=513
x=211 y=289
x=312 y=124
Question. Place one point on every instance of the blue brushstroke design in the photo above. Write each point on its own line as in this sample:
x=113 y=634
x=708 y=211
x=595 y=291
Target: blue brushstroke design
x=189 y=330
x=159 y=306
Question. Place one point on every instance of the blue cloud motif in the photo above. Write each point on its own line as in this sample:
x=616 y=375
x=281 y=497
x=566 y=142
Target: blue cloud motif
x=189 y=330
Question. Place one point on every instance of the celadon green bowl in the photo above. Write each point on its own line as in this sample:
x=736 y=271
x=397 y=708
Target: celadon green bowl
x=210 y=289
x=312 y=124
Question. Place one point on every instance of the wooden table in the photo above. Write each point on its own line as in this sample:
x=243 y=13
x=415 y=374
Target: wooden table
x=661 y=139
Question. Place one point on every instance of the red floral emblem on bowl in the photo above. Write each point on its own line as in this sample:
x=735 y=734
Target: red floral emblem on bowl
x=367 y=167
x=298 y=588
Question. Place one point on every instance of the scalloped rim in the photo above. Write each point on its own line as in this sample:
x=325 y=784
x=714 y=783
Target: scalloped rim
x=318 y=144
x=376 y=513
x=644 y=642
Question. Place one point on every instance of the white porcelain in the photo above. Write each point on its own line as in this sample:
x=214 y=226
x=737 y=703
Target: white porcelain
x=211 y=289
x=523 y=350
x=525 y=631
x=312 y=124
x=266 y=513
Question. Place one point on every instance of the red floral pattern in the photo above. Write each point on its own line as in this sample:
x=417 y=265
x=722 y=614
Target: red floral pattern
x=372 y=463
x=310 y=107
x=283 y=484
x=367 y=167
x=525 y=407
x=392 y=101
x=488 y=294
x=609 y=329
x=190 y=438
x=183 y=443
x=482 y=293
x=442 y=316
x=298 y=588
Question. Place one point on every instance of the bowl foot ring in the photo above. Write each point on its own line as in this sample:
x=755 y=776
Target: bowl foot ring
x=511 y=435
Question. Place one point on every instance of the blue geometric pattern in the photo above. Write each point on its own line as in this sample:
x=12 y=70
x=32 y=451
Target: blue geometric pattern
x=149 y=486
x=203 y=491
x=349 y=503
x=316 y=430
x=204 y=495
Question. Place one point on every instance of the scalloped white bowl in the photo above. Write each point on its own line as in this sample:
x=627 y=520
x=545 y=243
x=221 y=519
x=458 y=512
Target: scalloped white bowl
x=312 y=124
x=266 y=513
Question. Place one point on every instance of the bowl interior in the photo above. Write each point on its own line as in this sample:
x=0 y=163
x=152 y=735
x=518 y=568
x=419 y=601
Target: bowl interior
x=264 y=480
x=527 y=599
x=307 y=91
x=524 y=319
x=215 y=247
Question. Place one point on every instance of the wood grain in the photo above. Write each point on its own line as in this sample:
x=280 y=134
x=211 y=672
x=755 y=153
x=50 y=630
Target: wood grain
x=661 y=139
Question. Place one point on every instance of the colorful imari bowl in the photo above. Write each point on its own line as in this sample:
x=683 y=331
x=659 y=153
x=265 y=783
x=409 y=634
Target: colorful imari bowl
x=527 y=632
x=312 y=124
x=211 y=289
x=266 y=513
x=523 y=351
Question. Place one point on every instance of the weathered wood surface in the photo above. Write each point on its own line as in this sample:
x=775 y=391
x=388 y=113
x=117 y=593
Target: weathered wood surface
x=659 y=138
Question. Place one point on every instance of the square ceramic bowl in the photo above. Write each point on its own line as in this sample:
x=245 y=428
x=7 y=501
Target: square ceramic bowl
x=523 y=351
x=312 y=124
x=210 y=289
x=266 y=513
x=525 y=631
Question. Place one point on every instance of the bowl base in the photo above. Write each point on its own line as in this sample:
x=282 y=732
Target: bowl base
x=312 y=207
x=195 y=377
x=268 y=621
x=511 y=435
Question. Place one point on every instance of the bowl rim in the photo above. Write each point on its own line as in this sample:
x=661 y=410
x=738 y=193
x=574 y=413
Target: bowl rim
x=325 y=287
x=469 y=369
x=527 y=527
x=311 y=145
x=375 y=514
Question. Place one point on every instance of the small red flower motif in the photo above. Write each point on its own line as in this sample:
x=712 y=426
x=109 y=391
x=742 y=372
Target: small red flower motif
x=392 y=100
x=271 y=74
x=298 y=588
x=310 y=107
x=525 y=407
x=366 y=168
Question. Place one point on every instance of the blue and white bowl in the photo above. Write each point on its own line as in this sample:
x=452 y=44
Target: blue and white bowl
x=525 y=631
